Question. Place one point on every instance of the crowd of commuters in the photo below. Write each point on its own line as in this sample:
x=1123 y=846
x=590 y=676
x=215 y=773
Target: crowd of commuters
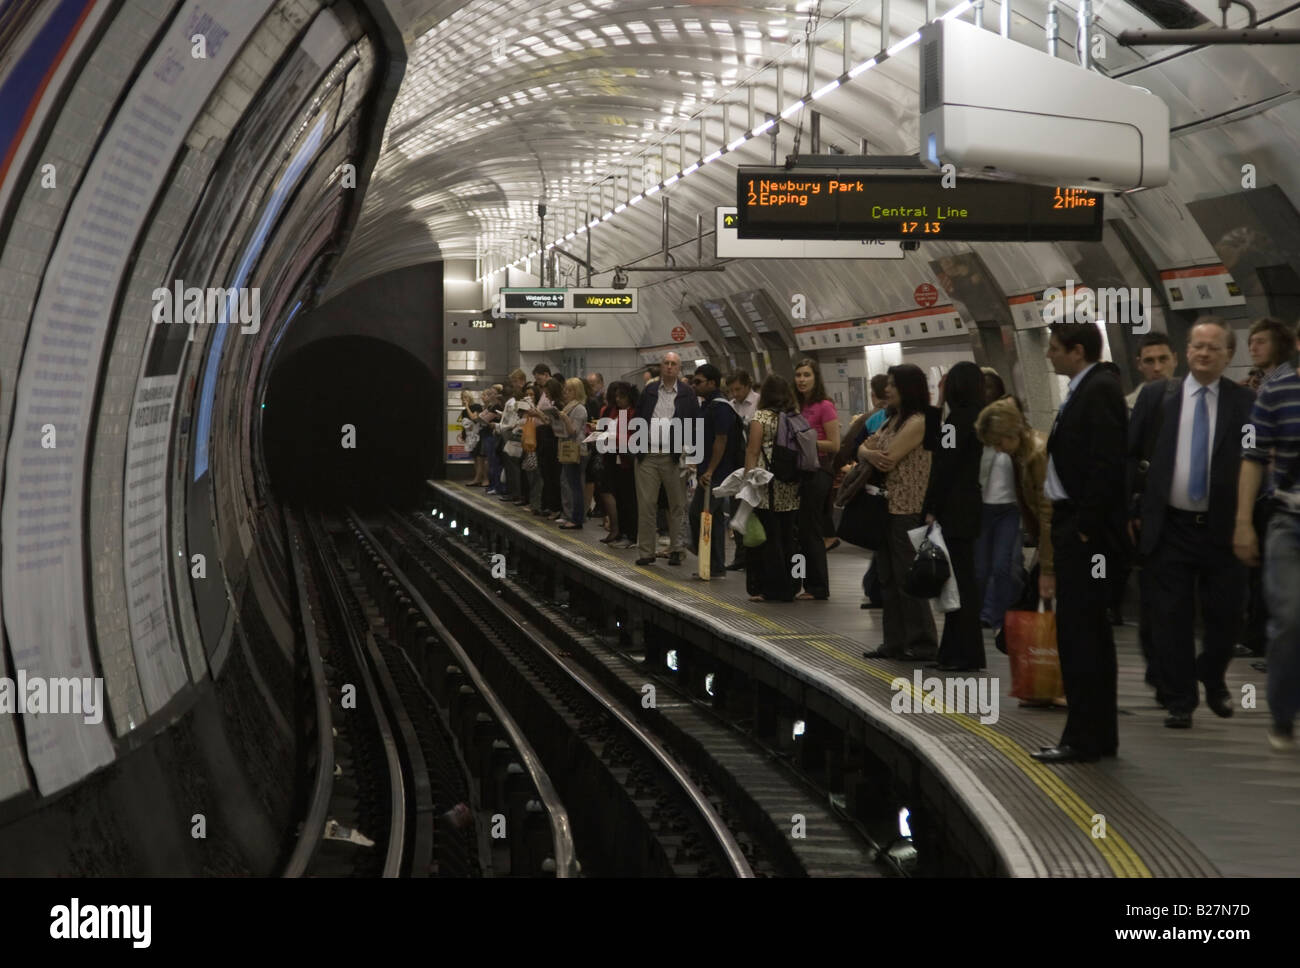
x=1161 y=483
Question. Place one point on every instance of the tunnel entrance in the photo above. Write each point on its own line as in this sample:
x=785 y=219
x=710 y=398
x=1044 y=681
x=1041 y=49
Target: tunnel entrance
x=390 y=399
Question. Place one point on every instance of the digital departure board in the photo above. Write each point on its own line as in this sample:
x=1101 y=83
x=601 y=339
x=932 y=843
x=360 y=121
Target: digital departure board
x=774 y=203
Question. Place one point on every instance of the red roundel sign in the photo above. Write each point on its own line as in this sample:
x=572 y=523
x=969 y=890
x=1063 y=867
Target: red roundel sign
x=926 y=295
x=679 y=333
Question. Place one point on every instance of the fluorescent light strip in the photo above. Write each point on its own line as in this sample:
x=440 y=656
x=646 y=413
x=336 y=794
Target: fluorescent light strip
x=635 y=198
x=737 y=143
x=619 y=208
x=903 y=44
x=691 y=170
x=826 y=90
x=652 y=189
x=958 y=10
x=762 y=129
x=865 y=66
x=713 y=157
x=671 y=181
x=796 y=107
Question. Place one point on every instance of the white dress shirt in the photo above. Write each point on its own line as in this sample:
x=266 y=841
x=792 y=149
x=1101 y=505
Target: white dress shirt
x=1183 y=460
x=746 y=409
x=667 y=400
x=1052 y=486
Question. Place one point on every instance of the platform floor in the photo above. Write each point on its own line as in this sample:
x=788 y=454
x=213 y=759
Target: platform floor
x=1212 y=800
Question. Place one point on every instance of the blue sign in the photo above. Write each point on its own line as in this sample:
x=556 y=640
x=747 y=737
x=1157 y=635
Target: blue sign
x=455 y=386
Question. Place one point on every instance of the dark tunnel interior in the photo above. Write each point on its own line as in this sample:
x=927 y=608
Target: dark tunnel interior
x=385 y=393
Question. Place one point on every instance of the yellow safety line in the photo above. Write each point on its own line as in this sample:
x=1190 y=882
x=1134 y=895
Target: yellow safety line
x=1122 y=859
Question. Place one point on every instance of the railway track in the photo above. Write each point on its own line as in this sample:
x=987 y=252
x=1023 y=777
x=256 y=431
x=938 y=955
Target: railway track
x=490 y=737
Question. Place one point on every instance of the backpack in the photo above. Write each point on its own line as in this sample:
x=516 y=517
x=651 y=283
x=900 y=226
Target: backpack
x=794 y=450
x=735 y=453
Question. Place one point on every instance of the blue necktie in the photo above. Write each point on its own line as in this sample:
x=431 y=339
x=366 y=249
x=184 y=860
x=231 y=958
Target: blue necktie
x=1196 y=480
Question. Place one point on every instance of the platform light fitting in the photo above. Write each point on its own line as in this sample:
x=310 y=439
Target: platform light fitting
x=799 y=728
x=758 y=130
x=904 y=828
x=671 y=659
x=708 y=683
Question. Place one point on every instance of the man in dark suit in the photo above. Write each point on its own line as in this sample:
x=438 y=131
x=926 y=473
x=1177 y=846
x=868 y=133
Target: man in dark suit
x=1085 y=481
x=1186 y=513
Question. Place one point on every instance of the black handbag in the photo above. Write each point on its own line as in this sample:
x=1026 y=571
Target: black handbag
x=864 y=517
x=929 y=570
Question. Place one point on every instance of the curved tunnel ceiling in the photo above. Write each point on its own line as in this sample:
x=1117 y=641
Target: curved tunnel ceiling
x=507 y=104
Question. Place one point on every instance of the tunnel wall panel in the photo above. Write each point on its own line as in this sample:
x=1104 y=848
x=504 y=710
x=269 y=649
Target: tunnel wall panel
x=69 y=147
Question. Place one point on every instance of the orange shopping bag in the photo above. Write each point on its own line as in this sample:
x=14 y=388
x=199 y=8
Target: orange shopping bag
x=1031 y=646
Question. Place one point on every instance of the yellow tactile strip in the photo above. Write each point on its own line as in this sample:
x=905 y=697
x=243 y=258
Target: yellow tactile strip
x=1041 y=819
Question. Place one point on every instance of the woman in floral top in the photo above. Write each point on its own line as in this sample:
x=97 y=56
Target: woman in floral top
x=768 y=567
x=898 y=450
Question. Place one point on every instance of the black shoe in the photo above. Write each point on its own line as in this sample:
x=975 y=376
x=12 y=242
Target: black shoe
x=880 y=653
x=646 y=561
x=1179 y=721
x=1064 y=754
x=736 y=566
x=1220 y=703
x=676 y=558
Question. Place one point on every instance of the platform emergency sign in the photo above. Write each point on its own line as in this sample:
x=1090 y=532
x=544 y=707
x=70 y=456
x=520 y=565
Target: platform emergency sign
x=584 y=301
x=678 y=334
x=926 y=295
x=729 y=245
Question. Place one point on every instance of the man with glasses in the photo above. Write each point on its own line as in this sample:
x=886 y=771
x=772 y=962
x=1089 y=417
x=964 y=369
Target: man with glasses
x=667 y=398
x=1188 y=509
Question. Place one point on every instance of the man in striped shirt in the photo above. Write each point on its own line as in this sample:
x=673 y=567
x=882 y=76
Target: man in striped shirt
x=1275 y=421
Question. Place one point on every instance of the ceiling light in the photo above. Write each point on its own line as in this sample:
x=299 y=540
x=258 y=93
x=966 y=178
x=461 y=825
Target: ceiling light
x=826 y=90
x=713 y=157
x=796 y=107
x=737 y=143
x=903 y=44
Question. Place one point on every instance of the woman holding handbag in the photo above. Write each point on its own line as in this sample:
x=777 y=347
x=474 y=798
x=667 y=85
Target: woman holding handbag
x=570 y=428
x=1001 y=425
x=898 y=450
x=767 y=566
x=953 y=499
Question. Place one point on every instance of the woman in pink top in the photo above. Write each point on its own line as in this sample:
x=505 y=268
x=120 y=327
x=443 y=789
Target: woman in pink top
x=813 y=523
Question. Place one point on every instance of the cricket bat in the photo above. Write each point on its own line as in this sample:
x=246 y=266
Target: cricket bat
x=704 y=552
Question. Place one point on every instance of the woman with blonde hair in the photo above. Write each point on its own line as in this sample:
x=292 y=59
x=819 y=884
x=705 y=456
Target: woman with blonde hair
x=1002 y=426
x=571 y=424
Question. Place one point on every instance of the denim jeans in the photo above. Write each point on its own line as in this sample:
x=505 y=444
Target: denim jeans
x=571 y=482
x=1281 y=580
x=997 y=561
